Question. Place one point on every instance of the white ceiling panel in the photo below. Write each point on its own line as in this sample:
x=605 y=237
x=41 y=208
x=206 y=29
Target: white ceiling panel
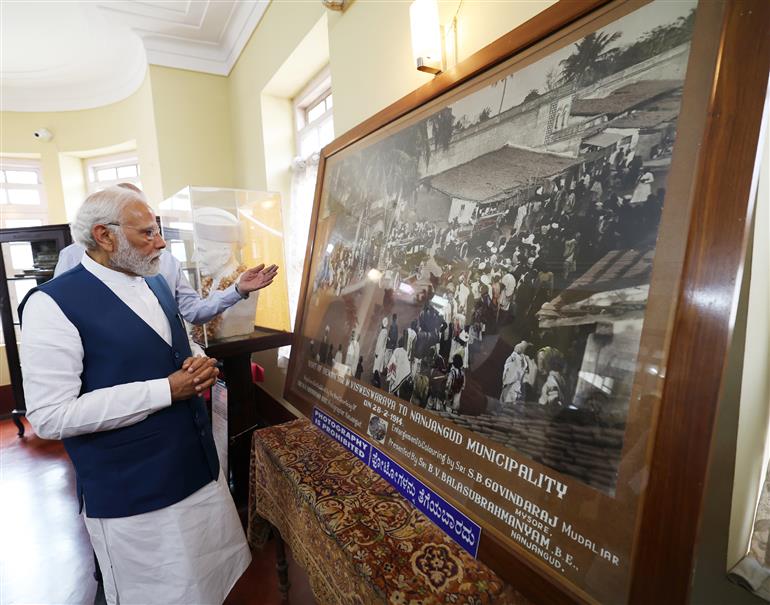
x=57 y=56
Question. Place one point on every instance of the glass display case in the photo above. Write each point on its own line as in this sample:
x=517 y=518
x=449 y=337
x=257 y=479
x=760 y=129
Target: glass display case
x=28 y=257
x=217 y=234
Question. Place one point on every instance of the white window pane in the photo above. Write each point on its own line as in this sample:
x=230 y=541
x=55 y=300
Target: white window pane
x=23 y=222
x=23 y=286
x=2 y=176
x=127 y=172
x=27 y=197
x=22 y=177
x=309 y=143
x=315 y=112
x=21 y=256
x=329 y=104
x=3 y=196
x=106 y=174
x=326 y=132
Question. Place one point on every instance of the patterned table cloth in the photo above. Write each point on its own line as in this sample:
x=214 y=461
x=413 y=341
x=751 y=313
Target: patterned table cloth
x=357 y=538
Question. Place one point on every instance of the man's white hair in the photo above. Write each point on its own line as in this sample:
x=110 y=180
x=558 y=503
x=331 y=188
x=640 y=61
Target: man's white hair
x=101 y=208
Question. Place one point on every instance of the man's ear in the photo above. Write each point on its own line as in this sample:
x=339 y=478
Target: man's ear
x=104 y=237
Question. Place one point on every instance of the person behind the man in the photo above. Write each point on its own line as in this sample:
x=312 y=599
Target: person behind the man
x=108 y=369
x=192 y=307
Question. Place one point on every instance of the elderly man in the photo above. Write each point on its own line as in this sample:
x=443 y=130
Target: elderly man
x=108 y=369
x=192 y=307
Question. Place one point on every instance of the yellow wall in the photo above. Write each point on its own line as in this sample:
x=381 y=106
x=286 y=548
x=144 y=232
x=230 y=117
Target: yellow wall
x=77 y=132
x=73 y=182
x=371 y=67
x=751 y=457
x=280 y=31
x=286 y=50
x=192 y=117
x=371 y=56
x=371 y=60
x=739 y=446
x=180 y=120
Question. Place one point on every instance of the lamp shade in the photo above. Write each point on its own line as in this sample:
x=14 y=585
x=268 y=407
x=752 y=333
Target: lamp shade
x=426 y=35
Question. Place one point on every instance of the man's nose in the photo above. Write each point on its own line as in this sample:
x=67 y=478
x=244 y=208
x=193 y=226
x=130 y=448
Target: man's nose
x=160 y=243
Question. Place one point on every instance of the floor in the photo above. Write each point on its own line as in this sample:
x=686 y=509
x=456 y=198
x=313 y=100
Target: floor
x=45 y=556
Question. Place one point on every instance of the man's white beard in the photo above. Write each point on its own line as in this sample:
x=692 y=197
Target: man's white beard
x=128 y=258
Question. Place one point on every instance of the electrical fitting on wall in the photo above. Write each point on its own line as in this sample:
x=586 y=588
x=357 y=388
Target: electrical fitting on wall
x=43 y=134
x=434 y=47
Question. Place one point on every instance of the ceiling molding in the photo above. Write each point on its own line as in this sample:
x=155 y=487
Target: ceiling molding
x=69 y=89
x=81 y=55
x=61 y=97
x=206 y=36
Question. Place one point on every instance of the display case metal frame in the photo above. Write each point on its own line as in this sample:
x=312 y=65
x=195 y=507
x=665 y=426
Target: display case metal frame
x=61 y=235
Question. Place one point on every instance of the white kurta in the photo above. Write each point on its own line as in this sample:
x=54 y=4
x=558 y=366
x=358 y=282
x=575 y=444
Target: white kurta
x=190 y=552
x=398 y=369
x=514 y=371
x=351 y=358
x=379 y=350
x=509 y=286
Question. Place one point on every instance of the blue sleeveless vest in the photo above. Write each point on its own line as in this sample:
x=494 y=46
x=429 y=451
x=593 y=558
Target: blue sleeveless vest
x=168 y=455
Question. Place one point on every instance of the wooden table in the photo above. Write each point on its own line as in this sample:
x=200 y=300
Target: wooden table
x=242 y=409
x=358 y=539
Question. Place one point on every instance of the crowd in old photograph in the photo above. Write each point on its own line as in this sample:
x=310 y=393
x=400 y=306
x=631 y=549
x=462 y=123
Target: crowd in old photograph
x=465 y=283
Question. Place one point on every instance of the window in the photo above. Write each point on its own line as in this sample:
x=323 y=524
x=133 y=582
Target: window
x=105 y=171
x=314 y=117
x=314 y=128
x=22 y=195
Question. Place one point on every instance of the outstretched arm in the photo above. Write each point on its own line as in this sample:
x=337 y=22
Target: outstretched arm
x=199 y=310
x=257 y=278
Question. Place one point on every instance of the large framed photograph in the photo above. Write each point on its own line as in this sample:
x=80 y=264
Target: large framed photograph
x=507 y=280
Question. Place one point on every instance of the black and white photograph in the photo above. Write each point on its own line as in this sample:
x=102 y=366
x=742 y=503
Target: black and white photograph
x=377 y=428
x=491 y=262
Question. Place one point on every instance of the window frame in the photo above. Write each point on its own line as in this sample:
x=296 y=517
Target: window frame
x=10 y=211
x=118 y=160
x=317 y=91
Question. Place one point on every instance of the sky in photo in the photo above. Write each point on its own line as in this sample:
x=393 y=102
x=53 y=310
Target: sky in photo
x=632 y=27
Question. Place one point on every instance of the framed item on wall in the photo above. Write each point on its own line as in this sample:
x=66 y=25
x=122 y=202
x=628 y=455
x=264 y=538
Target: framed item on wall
x=520 y=279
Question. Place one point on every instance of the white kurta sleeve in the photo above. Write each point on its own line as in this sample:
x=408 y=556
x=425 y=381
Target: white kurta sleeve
x=52 y=363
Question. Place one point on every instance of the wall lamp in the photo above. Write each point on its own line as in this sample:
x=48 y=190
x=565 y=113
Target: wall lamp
x=434 y=48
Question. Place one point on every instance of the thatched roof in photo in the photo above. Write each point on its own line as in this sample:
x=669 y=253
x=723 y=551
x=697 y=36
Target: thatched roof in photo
x=499 y=173
x=625 y=98
x=644 y=119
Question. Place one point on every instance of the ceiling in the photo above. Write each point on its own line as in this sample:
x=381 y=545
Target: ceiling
x=58 y=56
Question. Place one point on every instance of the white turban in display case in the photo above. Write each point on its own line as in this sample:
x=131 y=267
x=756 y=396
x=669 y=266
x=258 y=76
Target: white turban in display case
x=218 y=241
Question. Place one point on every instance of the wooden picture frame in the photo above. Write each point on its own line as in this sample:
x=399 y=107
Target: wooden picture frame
x=652 y=505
